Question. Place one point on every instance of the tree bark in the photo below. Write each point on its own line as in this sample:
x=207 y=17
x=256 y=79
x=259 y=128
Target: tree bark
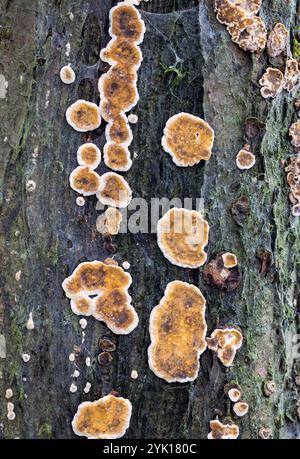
x=190 y=65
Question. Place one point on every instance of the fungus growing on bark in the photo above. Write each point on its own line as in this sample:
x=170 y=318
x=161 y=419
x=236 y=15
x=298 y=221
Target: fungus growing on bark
x=228 y=12
x=272 y=83
x=134 y=374
x=126 y=23
x=182 y=235
x=269 y=388
x=132 y=119
x=188 y=139
x=117 y=157
x=250 y=34
x=177 y=332
x=121 y=51
x=294 y=133
x=225 y=342
x=107 y=418
x=105 y=344
x=82 y=305
x=105 y=358
x=114 y=308
x=229 y=260
x=234 y=394
x=118 y=131
x=240 y=409
x=291 y=74
x=293 y=179
x=240 y=210
x=245 y=159
x=89 y=155
x=67 y=74
x=265 y=433
x=108 y=224
x=114 y=190
x=221 y=431
x=277 y=40
x=80 y=201
x=85 y=181
x=216 y=275
x=296 y=210
x=83 y=116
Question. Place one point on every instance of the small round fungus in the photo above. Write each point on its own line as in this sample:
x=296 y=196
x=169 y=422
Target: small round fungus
x=67 y=74
x=75 y=374
x=83 y=323
x=177 y=332
x=11 y=415
x=234 y=394
x=269 y=388
x=216 y=275
x=245 y=159
x=296 y=210
x=9 y=393
x=80 y=201
x=182 y=235
x=83 y=116
x=188 y=139
x=85 y=181
x=114 y=190
x=25 y=358
x=108 y=224
x=30 y=323
x=240 y=409
x=265 y=433
x=107 y=418
x=132 y=119
x=126 y=265
x=117 y=157
x=30 y=186
x=225 y=342
x=294 y=133
x=271 y=82
x=229 y=259
x=126 y=23
x=134 y=374
x=89 y=155
x=277 y=40
x=105 y=344
x=73 y=388
x=221 y=431
x=291 y=74
x=72 y=357
x=87 y=388
x=105 y=358
x=88 y=361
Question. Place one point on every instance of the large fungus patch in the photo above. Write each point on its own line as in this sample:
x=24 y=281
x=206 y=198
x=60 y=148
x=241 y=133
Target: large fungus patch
x=177 y=331
x=182 y=235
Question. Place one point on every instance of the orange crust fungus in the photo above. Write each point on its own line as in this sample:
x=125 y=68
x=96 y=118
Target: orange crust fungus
x=108 y=224
x=182 y=235
x=291 y=74
x=89 y=155
x=240 y=409
x=247 y=30
x=229 y=259
x=117 y=157
x=234 y=394
x=277 y=40
x=217 y=275
x=67 y=74
x=112 y=303
x=107 y=418
x=221 y=431
x=177 y=331
x=85 y=181
x=114 y=190
x=271 y=83
x=225 y=342
x=245 y=159
x=118 y=87
x=83 y=116
x=188 y=139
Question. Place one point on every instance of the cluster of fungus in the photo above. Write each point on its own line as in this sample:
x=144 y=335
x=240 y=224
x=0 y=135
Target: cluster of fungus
x=293 y=179
x=246 y=29
x=221 y=431
x=177 y=332
x=101 y=290
x=182 y=235
x=222 y=272
x=225 y=342
x=274 y=81
x=107 y=418
x=188 y=139
x=118 y=87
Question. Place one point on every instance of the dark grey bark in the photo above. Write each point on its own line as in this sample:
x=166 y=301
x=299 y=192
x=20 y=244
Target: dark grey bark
x=190 y=64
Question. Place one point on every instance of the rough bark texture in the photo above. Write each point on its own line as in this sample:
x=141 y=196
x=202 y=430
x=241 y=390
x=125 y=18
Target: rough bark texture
x=190 y=64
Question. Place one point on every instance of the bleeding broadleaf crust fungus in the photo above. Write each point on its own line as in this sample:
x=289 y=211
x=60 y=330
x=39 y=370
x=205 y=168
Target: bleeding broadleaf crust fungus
x=293 y=172
x=107 y=418
x=108 y=285
x=247 y=30
x=83 y=116
x=114 y=190
x=221 y=431
x=225 y=342
x=245 y=159
x=188 y=139
x=67 y=74
x=274 y=81
x=89 y=155
x=182 y=235
x=118 y=87
x=85 y=181
x=277 y=40
x=177 y=332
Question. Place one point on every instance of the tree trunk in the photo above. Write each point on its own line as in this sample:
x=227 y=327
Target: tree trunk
x=191 y=65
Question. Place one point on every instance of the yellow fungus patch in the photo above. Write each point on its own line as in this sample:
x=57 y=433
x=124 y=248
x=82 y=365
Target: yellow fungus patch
x=83 y=116
x=225 y=342
x=114 y=190
x=118 y=131
x=229 y=259
x=85 y=181
x=245 y=159
x=117 y=157
x=82 y=305
x=122 y=51
x=271 y=82
x=126 y=22
x=188 y=139
x=221 y=431
x=182 y=235
x=177 y=331
x=107 y=418
x=89 y=155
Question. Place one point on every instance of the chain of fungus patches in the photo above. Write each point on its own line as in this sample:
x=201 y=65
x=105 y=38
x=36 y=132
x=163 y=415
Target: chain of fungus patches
x=182 y=235
x=293 y=174
x=246 y=29
x=177 y=332
x=101 y=290
x=188 y=139
x=225 y=342
x=118 y=87
x=107 y=418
